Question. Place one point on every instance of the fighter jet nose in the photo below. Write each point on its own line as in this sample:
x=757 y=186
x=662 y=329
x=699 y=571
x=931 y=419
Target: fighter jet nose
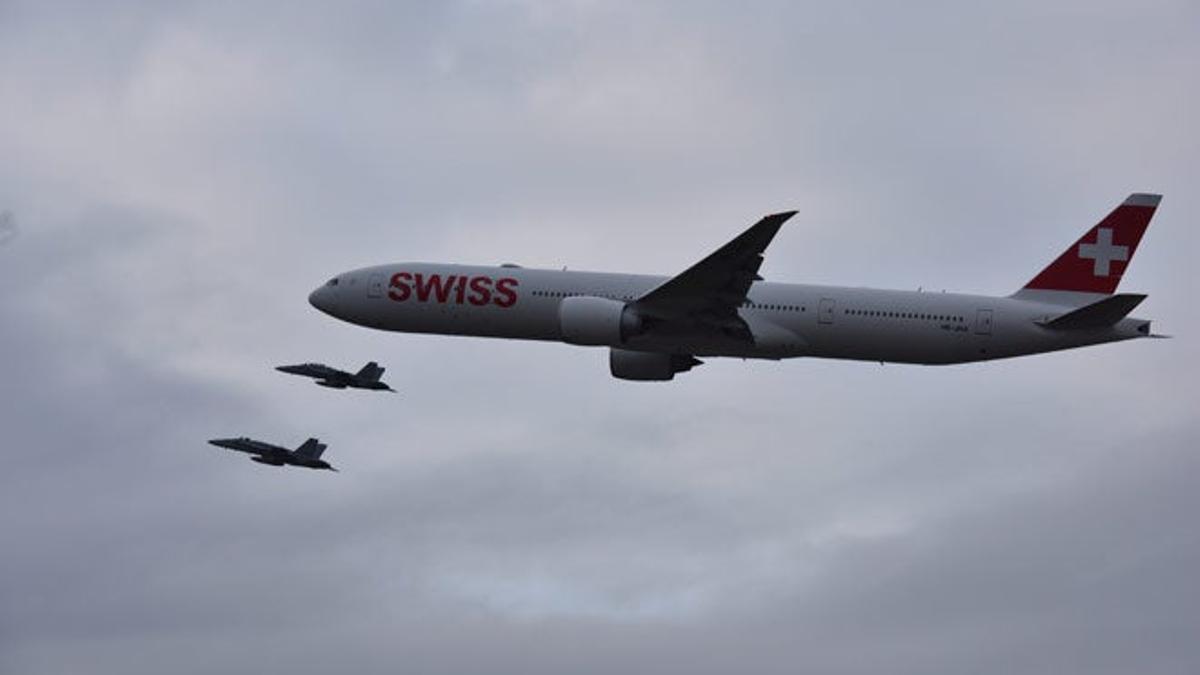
x=315 y=299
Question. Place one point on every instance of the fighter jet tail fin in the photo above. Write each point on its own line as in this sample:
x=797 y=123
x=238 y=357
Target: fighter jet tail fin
x=371 y=372
x=310 y=449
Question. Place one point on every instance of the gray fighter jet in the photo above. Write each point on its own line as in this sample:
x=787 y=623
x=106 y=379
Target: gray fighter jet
x=367 y=378
x=307 y=455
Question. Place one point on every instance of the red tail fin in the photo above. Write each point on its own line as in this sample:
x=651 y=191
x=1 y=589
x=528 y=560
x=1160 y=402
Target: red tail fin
x=1095 y=263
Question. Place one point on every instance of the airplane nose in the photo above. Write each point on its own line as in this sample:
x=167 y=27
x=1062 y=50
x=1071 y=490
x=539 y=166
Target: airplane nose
x=315 y=300
x=322 y=298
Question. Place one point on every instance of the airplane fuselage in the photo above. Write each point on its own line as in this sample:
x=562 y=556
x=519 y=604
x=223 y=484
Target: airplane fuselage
x=332 y=378
x=272 y=455
x=786 y=320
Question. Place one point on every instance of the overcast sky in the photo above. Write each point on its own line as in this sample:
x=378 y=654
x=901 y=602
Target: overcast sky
x=180 y=176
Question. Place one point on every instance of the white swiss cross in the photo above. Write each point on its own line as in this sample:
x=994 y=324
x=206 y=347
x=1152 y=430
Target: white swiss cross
x=1103 y=252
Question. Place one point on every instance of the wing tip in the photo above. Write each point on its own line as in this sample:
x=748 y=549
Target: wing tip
x=775 y=220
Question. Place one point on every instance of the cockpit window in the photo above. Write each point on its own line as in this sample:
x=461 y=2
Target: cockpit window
x=332 y=282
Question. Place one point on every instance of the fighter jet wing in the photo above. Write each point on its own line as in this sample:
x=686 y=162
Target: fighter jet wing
x=317 y=370
x=712 y=290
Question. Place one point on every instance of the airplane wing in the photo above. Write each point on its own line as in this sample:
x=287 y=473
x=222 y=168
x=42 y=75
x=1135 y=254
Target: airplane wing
x=712 y=290
x=316 y=370
x=249 y=446
x=328 y=373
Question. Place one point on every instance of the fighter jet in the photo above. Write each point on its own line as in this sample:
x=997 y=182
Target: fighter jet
x=307 y=455
x=367 y=378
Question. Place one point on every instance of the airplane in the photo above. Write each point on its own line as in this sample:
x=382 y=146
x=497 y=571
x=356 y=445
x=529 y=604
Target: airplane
x=366 y=378
x=307 y=455
x=656 y=327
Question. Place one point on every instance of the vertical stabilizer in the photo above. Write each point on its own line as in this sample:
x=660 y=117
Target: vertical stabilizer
x=1094 y=265
x=370 y=372
x=310 y=449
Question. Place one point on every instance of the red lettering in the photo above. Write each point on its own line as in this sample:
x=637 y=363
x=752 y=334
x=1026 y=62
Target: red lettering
x=434 y=283
x=506 y=296
x=458 y=290
x=481 y=291
x=402 y=290
x=478 y=291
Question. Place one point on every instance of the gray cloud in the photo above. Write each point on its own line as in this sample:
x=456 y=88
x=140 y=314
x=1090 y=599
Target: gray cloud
x=185 y=173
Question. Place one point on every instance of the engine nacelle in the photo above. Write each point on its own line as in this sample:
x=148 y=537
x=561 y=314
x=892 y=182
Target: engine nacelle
x=587 y=320
x=648 y=366
x=264 y=460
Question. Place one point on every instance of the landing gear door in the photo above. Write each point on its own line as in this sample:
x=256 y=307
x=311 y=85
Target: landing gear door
x=825 y=310
x=983 y=322
x=375 y=286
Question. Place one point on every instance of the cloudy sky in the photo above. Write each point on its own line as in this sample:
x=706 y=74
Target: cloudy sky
x=180 y=176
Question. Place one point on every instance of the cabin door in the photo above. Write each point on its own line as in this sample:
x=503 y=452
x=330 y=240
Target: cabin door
x=825 y=310
x=983 y=322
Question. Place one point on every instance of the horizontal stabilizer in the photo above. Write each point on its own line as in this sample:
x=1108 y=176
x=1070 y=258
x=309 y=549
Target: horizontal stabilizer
x=1099 y=314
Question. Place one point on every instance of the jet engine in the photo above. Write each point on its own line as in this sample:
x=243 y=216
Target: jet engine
x=587 y=320
x=648 y=366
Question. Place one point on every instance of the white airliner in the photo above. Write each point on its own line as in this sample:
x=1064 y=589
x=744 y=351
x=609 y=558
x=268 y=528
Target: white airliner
x=656 y=327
